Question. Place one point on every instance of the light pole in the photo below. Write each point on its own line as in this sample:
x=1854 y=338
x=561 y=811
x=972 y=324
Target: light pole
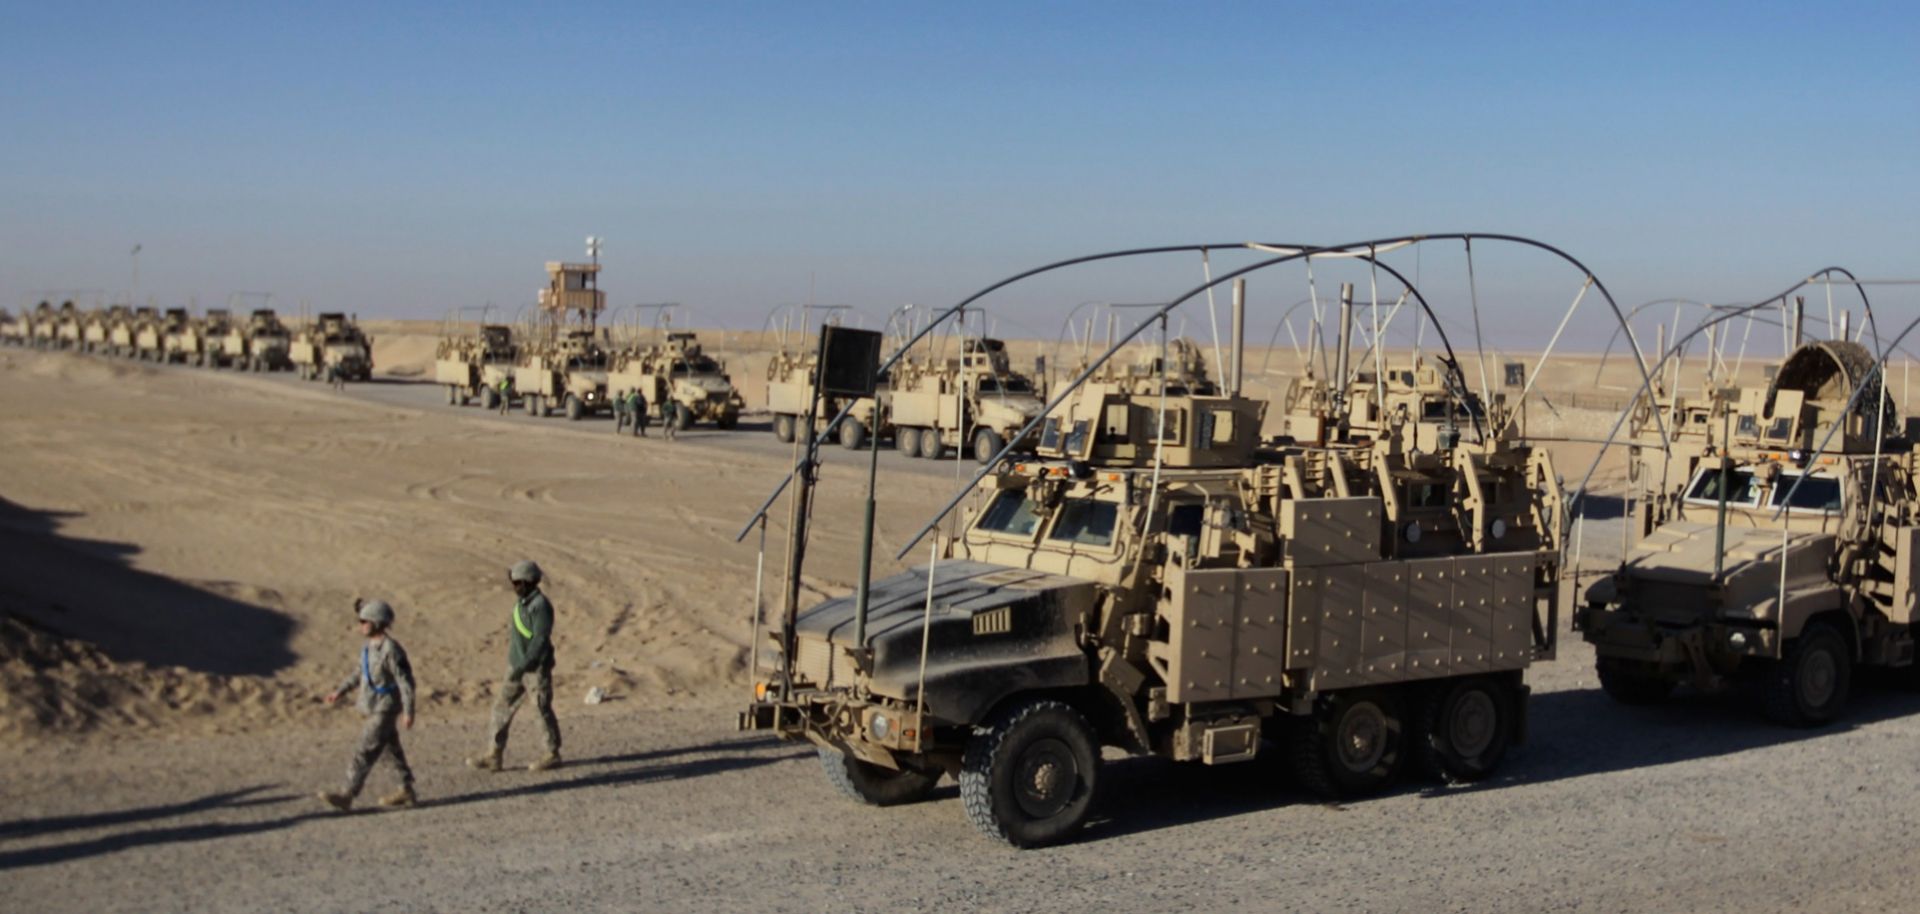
x=133 y=295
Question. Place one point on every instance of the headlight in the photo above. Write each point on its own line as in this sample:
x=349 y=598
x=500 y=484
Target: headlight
x=1737 y=641
x=879 y=727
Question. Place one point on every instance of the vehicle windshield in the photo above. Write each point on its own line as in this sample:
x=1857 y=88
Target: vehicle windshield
x=1740 y=491
x=1085 y=522
x=1012 y=513
x=992 y=385
x=1816 y=493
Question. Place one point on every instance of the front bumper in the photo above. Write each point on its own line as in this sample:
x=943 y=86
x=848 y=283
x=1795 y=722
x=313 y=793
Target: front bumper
x=1618 y=634
x=872 y=731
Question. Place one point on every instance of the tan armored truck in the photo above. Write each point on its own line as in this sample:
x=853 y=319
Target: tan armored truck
x=66 y=326
x=43 y=326
x=569 y=373
x=1780 y=543
x=149 y=334
x=182 y=341
x=333 y=342
x=13 y=329
x=472 y=367
x=261 y=343
x=974 y=402
x=94 y=329
x=1161 y=581
x=213 y=329
x=790 y=391
x=121 y=322
x=681 y=382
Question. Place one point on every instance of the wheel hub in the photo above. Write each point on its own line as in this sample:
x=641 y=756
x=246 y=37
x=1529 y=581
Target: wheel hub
x=1361 y=739
x=1819 y=675
x=1046 y=778
x=1471 y=727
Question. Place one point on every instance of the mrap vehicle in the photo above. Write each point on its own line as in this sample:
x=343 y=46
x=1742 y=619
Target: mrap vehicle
x=1159 y=579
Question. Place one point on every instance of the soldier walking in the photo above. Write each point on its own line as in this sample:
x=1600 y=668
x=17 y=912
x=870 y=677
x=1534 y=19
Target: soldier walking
x=506 y=393
x=637 y=405
x=529 y=670
x=670 y=419
x=621 y=417
x=335 y=378
x=385 y=680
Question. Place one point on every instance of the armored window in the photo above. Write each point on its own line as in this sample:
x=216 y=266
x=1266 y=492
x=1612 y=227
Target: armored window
x=1085 y=522
x=1748 y=427
x=1816 y=493
x=1780 y=428
x=1170 y=433
x=1077 y=443
x=1434 y=410
x=1217 y=428
x=1425 y=494
x=1050 y=434
x=1740 y=488
x=1012 y=513
x=993 y=385
x=1186 y=519
x=1114 y=421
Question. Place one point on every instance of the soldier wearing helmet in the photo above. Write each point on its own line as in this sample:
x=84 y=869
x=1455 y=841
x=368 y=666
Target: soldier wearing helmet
x=529 y=670
x=385 y=682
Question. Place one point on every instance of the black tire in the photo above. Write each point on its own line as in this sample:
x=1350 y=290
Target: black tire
x=906 y=440
x=986 y=443
x=1028 y=777
x=1351 y=745
x=682 y=417
x=1809 y=685
x=931 y=447
x=873 y=785
x=1464 y=729
x=1632 y=687
x=727 y=422
x=783 y=428
x=575 y=408
x=489 y=398
x=852 y=434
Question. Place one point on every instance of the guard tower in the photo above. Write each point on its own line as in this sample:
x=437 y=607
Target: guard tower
x=572 y=295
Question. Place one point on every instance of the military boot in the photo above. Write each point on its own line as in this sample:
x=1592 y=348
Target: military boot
x=488 y=762
x=402 y=797
x=339 y=801
x=551 y=761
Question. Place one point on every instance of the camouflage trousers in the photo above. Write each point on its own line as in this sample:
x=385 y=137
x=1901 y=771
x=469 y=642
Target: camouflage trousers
x=538 y=683
x=381 y=734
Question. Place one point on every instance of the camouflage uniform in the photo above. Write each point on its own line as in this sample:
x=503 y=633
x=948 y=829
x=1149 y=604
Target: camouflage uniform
x=670 y=419
x=637 y=405
x=621 y=416
x=385 y=679
x=529 y=671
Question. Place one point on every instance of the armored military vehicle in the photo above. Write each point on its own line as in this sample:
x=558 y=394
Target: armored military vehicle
x=1780 y=543
x=975 y=401
x=1159 y=579
x=13 y=330
x=181 y=339
x=43 y=325
x=681 y=382
x=790 y=379
x=149 y=334
x=66 y=326
x=213 y=329
x=94 y=328
x=472 y=366
x=261 y=343
x=332 y=342
x=569 y=372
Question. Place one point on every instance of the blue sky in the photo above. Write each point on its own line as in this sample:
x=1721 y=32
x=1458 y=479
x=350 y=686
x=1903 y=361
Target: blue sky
x=402 y=159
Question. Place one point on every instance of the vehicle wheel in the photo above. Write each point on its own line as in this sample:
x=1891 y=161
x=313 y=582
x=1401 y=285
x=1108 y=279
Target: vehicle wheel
x=575 y=408
x=1028 y=776
x=852 y=434
x=727 y=422
x=1464 y=729
x=986 y=443
x=906 y=440
x=1631 y=687
x=930 y=444
x=682 y=417
x=1809 y=685
x=1350 y=746
x=489 y=398
x=783 y=428
x=873 y=785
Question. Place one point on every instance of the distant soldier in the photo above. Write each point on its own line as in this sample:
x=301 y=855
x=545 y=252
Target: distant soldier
x=621 y=417
x=637 y=405
x=506 y=392
x=336 y=378
x=385 y=679
x=670 y=418
x=529 y=669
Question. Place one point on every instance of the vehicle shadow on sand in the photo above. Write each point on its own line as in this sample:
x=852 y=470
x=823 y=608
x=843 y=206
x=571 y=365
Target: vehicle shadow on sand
x=88 y=589
x=1573 y=734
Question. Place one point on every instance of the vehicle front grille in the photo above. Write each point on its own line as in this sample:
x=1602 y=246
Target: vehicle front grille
x=813 y=661
x=1674 y=604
